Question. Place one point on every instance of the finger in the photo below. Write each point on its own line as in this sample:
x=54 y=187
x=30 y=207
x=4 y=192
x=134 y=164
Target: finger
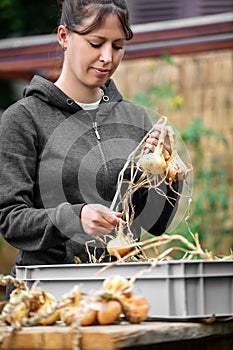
x=114 y=221
x=152 y=140
x=121 y=222
x=150 y=147
x=155 y=134
x=101 y=231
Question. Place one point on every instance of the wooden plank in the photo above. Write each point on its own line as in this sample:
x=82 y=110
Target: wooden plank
x=115 y=337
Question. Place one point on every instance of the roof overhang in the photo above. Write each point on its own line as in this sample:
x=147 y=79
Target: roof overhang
x=21 y=58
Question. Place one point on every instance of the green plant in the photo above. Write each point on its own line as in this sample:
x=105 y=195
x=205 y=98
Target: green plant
x=163 y=95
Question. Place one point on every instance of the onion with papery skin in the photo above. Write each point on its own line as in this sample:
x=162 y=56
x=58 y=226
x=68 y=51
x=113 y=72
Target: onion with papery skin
x=17 y=309
x=49 y=302
x=117 y=284
x=70 y=314
x=153 y=163
x=109 y=312
x=105 y=306
x=176 y=169
x=75 y=309
x=119 y=246
x=135 y=309
x=161 y=162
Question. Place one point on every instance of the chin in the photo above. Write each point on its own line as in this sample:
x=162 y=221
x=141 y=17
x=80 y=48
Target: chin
x=99 y=82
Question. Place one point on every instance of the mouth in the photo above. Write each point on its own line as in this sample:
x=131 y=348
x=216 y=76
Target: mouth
x=101 y=71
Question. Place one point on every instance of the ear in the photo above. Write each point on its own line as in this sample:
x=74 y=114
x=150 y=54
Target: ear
x=62 y=35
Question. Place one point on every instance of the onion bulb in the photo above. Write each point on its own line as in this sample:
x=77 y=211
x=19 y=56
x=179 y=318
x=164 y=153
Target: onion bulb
x=119 y=246
x=115 y=284
x=176 y=169
x=70 y=314
x=49 y=303
x=135 y=309
x=109 y=312
x=153 y=163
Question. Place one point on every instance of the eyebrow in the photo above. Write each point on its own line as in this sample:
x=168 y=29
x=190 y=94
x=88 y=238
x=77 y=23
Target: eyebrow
x=102 y=37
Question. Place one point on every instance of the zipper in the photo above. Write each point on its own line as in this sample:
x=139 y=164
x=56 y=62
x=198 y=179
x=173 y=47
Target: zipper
x=95 y=127
x=98 y=137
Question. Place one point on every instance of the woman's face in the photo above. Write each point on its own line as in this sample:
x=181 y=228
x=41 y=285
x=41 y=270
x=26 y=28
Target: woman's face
x=91 y=59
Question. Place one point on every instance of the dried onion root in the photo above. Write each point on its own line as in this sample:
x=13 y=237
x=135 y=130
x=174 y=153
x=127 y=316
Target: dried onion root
x=147 y=170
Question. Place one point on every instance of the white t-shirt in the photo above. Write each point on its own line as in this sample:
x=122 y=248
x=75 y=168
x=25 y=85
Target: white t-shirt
x=90 y=106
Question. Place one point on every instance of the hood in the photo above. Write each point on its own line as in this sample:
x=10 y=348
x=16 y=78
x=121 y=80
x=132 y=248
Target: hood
x=46 y=91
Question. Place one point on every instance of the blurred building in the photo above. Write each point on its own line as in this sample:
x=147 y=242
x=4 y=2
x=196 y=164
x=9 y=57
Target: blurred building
x=160 y=27
x=147 y=11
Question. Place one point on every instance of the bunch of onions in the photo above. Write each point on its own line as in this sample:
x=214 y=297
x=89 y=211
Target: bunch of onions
x=154 y=162
x=108 y=305
x=168 y=165
x=116 y=301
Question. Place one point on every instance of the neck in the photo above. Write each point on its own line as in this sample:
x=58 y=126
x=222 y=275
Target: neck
x=83 y=94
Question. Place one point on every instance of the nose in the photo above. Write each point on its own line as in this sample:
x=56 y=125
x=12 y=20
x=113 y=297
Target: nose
x=106 y=54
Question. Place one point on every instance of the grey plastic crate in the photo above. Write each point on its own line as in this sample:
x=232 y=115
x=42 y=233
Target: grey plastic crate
x=174 y=289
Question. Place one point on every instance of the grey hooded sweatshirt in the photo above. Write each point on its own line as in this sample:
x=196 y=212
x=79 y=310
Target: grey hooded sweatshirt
x=55 y=157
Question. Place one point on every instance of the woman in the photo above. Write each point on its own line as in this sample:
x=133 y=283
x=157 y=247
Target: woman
x=63 y=145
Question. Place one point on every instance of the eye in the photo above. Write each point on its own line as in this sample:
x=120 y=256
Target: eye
x=117 y=47
x=96 y=46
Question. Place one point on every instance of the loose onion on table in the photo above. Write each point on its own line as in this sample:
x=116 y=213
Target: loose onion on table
x=70 y=314
x=77 y=309
x=135 y=309
x=48 y=304
x=109 y=312
x=117 y=285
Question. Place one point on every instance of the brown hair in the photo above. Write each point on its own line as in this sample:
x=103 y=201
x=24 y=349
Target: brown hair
x=75 y=11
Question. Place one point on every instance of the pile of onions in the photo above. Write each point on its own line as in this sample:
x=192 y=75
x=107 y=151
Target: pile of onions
x=109 y=305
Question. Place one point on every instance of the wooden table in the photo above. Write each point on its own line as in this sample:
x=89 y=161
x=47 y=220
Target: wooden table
x=146 y=336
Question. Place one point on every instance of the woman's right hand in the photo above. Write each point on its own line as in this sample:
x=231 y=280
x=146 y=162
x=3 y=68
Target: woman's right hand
x=98 y=220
